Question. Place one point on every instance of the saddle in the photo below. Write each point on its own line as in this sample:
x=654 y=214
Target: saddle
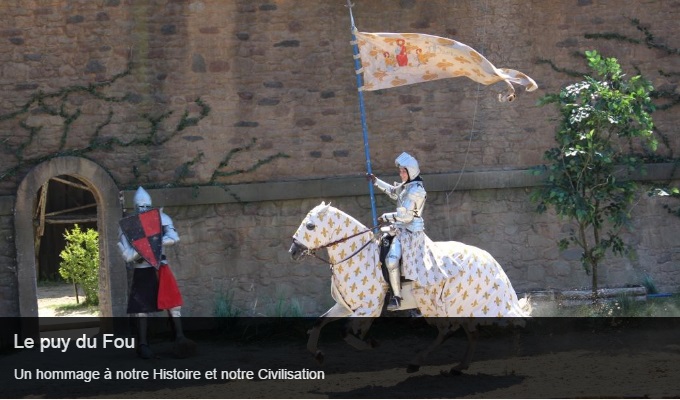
x=385 y=242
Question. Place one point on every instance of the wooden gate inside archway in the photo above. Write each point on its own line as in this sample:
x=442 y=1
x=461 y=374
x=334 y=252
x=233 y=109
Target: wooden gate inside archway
x=63 y=202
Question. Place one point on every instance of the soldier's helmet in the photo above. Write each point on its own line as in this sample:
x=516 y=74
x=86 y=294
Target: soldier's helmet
x=142 y=200
x=407 y=161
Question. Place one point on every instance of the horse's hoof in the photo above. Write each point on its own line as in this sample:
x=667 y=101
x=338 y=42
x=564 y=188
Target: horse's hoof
x=412 y=368
x=319 y=357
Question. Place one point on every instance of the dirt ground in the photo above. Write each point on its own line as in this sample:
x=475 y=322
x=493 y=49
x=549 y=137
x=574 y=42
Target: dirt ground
x=638 y=358
x=625 y=359
x=629 y=358
x=53 y=295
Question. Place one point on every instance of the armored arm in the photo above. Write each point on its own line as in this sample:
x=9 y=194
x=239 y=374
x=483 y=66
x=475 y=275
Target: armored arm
x=126 y=250
x=402 y=215
x=387 y=188
x=170 y=236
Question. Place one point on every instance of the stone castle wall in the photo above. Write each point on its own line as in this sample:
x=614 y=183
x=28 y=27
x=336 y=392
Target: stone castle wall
x=249 y=259
x=186 y=93
x=278 y=78
x=9 y=305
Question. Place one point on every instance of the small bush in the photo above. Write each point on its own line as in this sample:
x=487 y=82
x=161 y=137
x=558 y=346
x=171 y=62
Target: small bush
x=80 y=262
x=224 y=305
x=284 y=307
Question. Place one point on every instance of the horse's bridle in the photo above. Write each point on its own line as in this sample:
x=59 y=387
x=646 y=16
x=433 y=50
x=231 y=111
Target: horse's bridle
x=312 y=252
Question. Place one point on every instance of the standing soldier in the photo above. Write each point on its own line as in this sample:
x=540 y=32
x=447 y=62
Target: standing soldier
x=154 y=287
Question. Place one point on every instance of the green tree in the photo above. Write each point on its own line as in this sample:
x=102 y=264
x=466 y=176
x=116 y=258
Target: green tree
x=80 y=262
x=604 y=129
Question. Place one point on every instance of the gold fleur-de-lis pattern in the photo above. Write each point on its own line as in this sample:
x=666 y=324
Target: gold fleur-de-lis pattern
x=395 y=59
x=451 y=279
x=356 y=275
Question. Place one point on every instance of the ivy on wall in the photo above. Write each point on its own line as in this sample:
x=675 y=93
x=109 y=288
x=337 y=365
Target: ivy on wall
x=44 y=102
x=672 y=98
x=149 y=130
x=568 y=72
x=666 y=98
x=221 y=172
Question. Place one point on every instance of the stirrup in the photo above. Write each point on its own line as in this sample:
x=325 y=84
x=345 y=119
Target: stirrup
x=395 y=303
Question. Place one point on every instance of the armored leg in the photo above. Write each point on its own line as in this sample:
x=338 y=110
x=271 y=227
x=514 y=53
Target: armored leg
x=183 y=347
x=143 y=349
x=176 y=315
x=392 y=263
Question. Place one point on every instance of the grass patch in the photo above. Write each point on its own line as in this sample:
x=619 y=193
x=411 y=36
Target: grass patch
x=70 y=308
x=224 y=306
x=284 y=307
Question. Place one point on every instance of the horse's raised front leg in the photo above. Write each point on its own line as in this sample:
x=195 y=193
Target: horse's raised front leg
x=336 y=312
x=444 y=332
x=355 y=333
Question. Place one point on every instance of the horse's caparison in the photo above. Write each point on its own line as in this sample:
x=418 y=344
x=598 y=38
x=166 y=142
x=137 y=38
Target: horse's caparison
x=462 y=285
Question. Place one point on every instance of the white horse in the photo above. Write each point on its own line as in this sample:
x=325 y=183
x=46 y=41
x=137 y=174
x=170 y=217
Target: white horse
x=453 y=280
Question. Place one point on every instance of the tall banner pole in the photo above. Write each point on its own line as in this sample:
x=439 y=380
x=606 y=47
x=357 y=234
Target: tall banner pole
x=364 y=127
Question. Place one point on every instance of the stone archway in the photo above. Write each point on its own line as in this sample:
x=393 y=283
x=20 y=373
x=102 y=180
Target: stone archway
x=112 y=275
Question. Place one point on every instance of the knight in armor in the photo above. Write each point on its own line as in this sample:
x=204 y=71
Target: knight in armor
x=410 y=196
x=154 y=289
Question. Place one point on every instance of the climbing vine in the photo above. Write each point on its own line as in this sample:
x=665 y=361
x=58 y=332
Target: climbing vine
x=223 y=171
x=148 y=129
x=649 y=39
x=225 y=162
x=672 y=98
x=666 y=99
x=568 y=72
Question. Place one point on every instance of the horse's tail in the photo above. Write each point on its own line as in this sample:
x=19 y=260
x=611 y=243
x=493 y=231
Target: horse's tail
x=525 y=305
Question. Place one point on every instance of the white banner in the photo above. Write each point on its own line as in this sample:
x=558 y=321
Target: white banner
x=396 y=59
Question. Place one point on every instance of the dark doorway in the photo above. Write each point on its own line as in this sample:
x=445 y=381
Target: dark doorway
x=62 y=202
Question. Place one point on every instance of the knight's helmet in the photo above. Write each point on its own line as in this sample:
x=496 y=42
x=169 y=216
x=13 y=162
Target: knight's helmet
x=142 y=200
x=407 y=161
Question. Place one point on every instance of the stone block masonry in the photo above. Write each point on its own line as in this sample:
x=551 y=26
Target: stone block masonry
x=240 y=249
x=234 y=240
x=248 y=99
x=281 y=74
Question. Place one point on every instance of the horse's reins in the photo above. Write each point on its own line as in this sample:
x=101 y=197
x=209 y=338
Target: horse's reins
x=312 y=252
